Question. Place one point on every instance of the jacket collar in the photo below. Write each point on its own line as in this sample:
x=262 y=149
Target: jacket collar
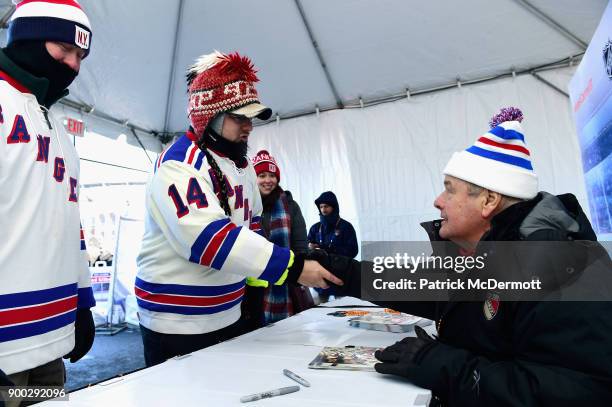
x=505 y=226
x=25 y=82
x=433 y=229
x=441 y=246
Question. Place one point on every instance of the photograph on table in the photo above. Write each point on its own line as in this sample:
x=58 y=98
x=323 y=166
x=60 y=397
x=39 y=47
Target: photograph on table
x=345 y=358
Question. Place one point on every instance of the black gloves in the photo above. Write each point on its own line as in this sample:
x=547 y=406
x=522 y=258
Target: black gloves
x=402 y=358
x=84 y=332
x=345 y=268
x=4 y=380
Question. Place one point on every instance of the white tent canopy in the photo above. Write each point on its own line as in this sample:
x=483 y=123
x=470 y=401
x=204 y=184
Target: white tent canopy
x=384 y=161
x=371 y=49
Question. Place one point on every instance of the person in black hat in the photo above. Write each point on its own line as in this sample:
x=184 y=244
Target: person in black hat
x=332 y=234
x=45 y=292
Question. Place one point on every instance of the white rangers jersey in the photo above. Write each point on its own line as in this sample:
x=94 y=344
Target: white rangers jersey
x=194 y=259
x=43 y=269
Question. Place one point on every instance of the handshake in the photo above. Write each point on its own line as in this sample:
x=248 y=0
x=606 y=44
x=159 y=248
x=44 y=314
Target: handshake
x=322 y=269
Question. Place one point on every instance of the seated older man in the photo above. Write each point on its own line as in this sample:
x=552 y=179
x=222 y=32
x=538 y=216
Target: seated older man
x=496 y=352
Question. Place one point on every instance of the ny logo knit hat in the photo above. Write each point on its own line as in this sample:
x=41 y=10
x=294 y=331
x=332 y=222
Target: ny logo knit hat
x=222 y=83
x=499 y=160
x=50 y=20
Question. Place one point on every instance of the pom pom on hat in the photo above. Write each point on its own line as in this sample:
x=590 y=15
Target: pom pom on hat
x=506 y=114
x=263 y=162
x=233 y=64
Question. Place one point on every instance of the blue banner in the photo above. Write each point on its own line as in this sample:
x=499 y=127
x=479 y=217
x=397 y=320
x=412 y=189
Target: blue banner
x=591 y=97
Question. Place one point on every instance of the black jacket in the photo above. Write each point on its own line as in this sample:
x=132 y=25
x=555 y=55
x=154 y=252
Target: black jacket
x=530 y=353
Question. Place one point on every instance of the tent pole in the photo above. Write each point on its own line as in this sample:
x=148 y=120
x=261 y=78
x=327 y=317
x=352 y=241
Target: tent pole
x=179 y=19
x=339 y=103
x=113 y=165
x=141 y=145
x=544 y=81
x=554 y=24
x=5 y=18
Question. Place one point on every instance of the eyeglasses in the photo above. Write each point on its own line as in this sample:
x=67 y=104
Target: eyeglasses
x=240 y=119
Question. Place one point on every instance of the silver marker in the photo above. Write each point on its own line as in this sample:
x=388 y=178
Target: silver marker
x=270 y=393
x=295 y=377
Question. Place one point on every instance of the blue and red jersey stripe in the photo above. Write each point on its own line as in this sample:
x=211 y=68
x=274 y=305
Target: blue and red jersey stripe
x=187 y=299
x=83 y=245
x=255 y=223
x=183 y=150
x=214 y=244
x=33 y=313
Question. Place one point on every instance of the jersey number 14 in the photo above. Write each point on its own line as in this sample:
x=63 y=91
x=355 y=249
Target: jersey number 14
x=194 y=196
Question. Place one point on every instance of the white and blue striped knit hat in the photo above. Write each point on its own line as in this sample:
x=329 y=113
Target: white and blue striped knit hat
x=499 y=160
x=50 y=20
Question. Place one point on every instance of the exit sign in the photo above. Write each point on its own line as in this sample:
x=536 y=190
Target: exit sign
x=75 y=127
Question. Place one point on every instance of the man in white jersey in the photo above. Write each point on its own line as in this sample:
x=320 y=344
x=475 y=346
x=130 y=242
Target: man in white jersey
x=45 y=292
x=202 y=239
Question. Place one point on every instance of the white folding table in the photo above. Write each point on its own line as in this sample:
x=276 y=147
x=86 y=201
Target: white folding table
x=253 y=363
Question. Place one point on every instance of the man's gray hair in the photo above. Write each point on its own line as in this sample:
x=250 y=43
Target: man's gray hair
x=475 y=190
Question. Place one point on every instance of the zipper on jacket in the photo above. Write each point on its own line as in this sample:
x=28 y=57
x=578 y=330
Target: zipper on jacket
x=46 y=114
x=439 y=325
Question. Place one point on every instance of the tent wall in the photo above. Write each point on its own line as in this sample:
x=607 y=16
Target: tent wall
x=385 y=162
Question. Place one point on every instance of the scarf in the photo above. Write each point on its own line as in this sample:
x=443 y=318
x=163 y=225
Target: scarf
x=277 y=302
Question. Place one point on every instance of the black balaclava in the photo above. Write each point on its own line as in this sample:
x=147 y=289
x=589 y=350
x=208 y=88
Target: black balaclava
x=33 y=57
x=234 y=151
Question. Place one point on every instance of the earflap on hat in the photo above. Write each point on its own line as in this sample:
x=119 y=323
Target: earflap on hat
x=50 y=20
x=499 y=160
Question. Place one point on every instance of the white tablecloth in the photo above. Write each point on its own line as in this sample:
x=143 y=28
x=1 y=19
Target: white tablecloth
x=253 y=363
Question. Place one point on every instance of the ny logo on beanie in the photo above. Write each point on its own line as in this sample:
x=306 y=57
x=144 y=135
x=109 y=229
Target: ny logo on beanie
x=81 y=37
x=50 y=20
